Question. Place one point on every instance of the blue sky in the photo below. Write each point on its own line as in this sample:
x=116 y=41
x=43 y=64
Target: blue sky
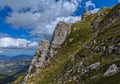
x=24 y=23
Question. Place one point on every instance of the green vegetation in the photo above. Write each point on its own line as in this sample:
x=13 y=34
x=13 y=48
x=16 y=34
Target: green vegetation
x=82 y=34
x=4 y=79
x=19 y=79
x=115 y=79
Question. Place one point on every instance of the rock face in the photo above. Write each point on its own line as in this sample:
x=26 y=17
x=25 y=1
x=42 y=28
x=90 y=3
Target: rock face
x=94 y=65
x=95 y=23
x=108 y=19
x=85 y=14
x=62 y=30
x=46 y=50
x=113 y=69
x=88 y=57
x=39 y=60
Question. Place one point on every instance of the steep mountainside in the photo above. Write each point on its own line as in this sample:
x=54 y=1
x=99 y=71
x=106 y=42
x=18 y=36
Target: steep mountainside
x=86 y=52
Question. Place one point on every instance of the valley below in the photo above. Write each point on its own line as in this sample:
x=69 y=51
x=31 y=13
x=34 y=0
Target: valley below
x=13 y=67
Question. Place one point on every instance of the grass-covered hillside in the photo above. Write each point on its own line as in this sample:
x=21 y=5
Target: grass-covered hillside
x=86 y=53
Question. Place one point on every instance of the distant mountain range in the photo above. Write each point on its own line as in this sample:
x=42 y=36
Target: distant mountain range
x=3 y=57
x=12 y=65
x=22 y=56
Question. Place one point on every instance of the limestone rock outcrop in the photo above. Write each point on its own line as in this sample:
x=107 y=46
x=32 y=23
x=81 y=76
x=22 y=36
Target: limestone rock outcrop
x=94 y=65
x=84 y=56
x=62 y=30
x=39 y=59
x=46 y=49
x=109 y=17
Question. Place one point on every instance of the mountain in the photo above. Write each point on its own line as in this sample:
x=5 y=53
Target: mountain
x=3 y=57
x=13 y=67
x=85 y=52
x=22 y=56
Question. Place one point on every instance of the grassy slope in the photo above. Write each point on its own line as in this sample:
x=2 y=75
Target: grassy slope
x=112 y=36
x=81 y=35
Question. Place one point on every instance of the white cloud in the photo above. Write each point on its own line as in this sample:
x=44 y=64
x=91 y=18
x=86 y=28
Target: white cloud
x=89 y=3
x=28 y=19
x=49 y=28
x=94 y=10
x=118 y=0
x=39 y=15
x=13 y=43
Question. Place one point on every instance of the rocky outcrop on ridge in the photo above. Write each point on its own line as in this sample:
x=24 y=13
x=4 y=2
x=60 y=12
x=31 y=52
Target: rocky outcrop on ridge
x=105 y=19
x=39 y=59
x=85 y=14
x=62 y=30
x=46 y=49
x=112 y=70
x=89 y=54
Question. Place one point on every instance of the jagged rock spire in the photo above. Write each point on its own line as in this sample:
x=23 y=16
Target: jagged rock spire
x=46 y=49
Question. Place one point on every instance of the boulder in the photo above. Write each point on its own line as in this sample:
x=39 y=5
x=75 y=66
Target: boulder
x=112 y=70
x=94 y=65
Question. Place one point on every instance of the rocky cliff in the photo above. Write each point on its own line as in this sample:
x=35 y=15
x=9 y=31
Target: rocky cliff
x=86 y=52
x=47 y=50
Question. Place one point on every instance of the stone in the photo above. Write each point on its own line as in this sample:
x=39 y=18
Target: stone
x=74 y=78
x=112 y=70
x=46 y=49
x=98 y=25
x=109 y=50
x=93 y=42
x=94 y=65
x=62 y=30
x=70 y=40
x=39 y=59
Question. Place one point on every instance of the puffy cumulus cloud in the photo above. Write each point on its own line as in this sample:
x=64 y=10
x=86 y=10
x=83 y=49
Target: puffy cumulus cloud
x=40 y=15
x=27 y=19
x=12 y=43
x=89 y=4
x=49 y=28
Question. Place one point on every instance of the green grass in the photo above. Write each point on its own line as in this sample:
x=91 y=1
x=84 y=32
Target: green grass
x=115 y=79
x=54 y=70
x=82 y=34
x=19 y=79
